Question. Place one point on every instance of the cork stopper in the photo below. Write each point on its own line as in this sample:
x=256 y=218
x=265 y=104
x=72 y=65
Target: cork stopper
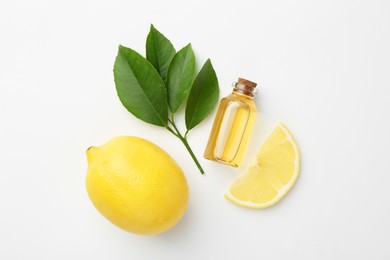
x=247 y=82
x=245 y=87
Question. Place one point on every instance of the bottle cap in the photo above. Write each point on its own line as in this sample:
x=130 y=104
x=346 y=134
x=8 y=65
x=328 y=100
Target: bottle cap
x=247 y=82
x=245 y=87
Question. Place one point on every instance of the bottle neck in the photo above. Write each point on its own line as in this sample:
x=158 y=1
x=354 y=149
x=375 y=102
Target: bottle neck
x=242 y=95
x=244 y=90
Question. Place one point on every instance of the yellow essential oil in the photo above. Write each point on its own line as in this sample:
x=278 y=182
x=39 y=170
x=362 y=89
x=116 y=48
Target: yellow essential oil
x=233 y=125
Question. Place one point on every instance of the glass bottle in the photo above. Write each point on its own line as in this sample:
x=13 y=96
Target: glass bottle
x=233 y=125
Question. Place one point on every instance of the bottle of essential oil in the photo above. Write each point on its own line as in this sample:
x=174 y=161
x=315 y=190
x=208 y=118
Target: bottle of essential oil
x=233 y=125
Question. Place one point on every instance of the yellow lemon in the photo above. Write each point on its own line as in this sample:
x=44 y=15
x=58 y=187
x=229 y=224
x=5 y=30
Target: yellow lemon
x=273 y=175
x=136 y=185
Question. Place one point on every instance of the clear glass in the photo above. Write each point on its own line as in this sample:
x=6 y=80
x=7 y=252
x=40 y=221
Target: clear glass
x=232 y=129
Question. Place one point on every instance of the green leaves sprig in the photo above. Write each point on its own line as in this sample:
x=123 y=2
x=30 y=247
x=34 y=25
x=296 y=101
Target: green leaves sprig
x=153 y=89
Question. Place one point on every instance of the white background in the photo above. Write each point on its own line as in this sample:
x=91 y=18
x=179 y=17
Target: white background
x=323 y=67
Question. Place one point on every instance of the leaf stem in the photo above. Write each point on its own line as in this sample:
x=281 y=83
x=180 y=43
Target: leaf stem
x=171 y=130
x=184 y=141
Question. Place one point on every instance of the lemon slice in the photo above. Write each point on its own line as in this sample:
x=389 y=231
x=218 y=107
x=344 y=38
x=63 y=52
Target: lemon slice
x=275 y=172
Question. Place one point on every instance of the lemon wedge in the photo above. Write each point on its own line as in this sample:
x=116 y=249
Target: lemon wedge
x=273 y=175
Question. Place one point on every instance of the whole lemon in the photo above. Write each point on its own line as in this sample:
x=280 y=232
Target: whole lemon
x=136 y=185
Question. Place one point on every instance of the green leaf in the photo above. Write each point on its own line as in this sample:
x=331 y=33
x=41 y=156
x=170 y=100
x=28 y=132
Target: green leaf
x=159 y=51
x=140 y=88
x=203 y=96
x=180 y=76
